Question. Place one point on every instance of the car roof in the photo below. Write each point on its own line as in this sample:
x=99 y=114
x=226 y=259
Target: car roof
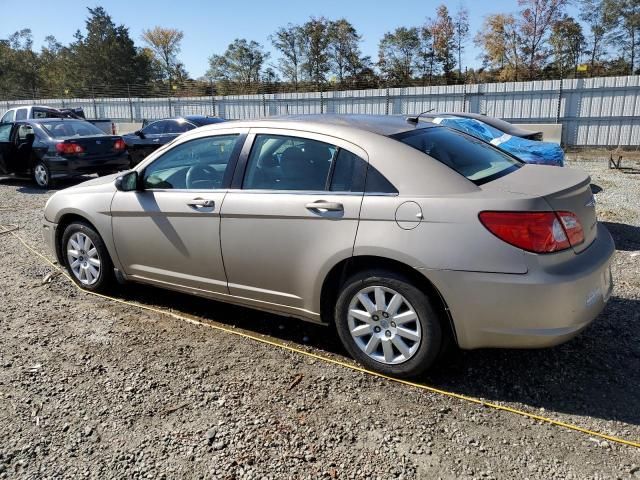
x=48 y=120
x=385 y=125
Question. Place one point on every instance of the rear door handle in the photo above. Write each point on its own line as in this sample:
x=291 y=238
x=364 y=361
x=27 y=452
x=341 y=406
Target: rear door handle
x=325 y=206
x=201 y=203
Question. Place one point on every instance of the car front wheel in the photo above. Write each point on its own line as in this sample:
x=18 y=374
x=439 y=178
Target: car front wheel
x=387 y=324
x=86 y=257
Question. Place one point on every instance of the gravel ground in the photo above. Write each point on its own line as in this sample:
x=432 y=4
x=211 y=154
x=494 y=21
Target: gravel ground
x=92 y=388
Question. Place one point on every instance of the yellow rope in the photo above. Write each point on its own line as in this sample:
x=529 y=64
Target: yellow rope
x=340 y=363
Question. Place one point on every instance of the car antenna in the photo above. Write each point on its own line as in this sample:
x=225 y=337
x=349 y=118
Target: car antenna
x=417 y=118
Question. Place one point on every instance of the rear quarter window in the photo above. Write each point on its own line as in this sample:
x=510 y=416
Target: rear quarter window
x=471 y=157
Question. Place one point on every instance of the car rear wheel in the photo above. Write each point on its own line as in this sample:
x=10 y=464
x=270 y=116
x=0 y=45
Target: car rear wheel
x=387 y=324
x=42 y=175
x=86 y=258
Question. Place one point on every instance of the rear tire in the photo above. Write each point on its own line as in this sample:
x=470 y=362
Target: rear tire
x=42 y=175
x=387 y=324
x=86 y=258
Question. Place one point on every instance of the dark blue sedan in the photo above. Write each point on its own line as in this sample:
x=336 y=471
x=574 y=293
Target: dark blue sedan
x=159 y=132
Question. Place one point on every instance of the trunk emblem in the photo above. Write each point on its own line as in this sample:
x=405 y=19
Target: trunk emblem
x=591 y=202
x=98 y=142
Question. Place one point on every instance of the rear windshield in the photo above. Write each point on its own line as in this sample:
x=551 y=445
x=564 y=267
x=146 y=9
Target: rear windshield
x=66 y=129
x=476 y=160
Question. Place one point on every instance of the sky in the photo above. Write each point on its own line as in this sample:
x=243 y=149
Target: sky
x=210 y=25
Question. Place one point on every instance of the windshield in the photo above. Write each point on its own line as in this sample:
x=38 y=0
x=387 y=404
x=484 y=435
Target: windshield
x=476 y=160
x=70 y=128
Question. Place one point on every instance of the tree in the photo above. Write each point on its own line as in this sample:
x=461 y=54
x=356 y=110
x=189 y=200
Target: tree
x=500 y=41
x=461 y=29
x=624 y=18
x=592 y=12
x=288 y=41
x=22 y=63
x=164 y=44
x=344 y=49
x=567 y=42
x=398 y=52
x=443 y=31
x=315 y=43
x=106 y=54
x=536 y=20
x=426 y=53
x=241 y=63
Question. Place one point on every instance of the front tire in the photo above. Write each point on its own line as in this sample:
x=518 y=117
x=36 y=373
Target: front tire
x=388 y=324
x=86 y=258
x=42 y=175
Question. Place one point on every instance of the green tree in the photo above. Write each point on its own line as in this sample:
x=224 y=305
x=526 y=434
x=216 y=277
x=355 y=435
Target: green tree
x=106 y=54
x=592 y=12
x=398 y=53
x=567 y=42
x=426 y=62
x=315 y=42
x=344 y=52
x=288 y=42
x=624 y=18
x=241 y=64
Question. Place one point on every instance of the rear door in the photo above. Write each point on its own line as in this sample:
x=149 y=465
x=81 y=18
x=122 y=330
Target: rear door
x=7 y=149
x=293 y=211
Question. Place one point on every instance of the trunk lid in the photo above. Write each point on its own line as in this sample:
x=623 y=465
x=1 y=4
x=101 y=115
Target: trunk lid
x=564 y=189
x=95 y=146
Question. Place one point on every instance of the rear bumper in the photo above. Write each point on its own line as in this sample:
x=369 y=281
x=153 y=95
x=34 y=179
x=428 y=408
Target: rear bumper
x=537 y=309
x=61 y=167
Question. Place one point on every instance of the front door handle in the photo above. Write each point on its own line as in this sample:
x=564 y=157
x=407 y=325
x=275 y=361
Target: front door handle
x=201 y=203
x=325 y=206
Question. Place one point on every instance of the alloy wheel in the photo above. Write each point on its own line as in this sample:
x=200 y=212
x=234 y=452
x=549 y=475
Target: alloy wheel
x=83 y=258
x=384 y=325
x=41 y=175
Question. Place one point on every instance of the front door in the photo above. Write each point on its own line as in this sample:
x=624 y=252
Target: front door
x=168 y=231
x=295 y=213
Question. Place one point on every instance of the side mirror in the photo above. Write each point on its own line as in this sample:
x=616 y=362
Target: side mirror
x=139 y=133
x=127 y=182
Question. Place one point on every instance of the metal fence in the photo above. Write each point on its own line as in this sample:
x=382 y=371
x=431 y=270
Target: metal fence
x=593 y=111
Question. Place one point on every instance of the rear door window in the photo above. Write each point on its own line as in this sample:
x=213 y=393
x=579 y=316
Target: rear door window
x=280 y=162
x=175 y=126
x=155 y=128
x=478 y=161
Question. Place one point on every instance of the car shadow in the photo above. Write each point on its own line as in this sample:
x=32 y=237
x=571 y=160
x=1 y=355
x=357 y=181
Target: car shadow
x=626 y=237
x=596 y=374
x=26 y=185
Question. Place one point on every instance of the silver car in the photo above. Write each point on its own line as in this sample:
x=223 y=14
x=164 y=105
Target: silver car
x=405 y=235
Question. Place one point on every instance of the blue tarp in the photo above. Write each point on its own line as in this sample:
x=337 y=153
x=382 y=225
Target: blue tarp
x=530 y=151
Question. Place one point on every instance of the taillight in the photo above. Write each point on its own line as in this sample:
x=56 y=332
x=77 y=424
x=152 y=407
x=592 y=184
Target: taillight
x=539 y=232
x=572 y=227
x=119 y=145
x=69 y=148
